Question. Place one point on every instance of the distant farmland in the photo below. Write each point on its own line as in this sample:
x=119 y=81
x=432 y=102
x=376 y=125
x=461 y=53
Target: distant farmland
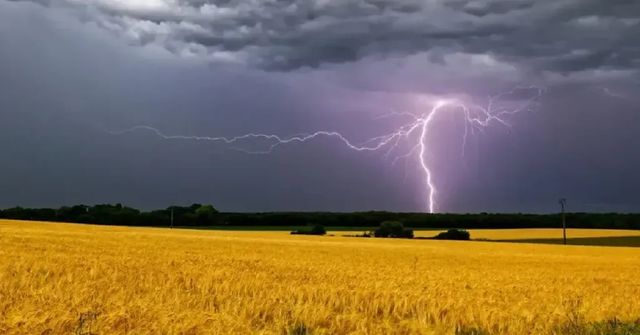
x=82 y=279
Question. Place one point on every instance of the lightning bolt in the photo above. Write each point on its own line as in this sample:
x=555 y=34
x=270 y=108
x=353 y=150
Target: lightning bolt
x=415 y=132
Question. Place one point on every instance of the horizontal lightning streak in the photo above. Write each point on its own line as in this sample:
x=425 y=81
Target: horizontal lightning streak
x=476 y=118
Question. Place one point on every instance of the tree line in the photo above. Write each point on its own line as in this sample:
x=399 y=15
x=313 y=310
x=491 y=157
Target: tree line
x=108 y=214
x=199 y=215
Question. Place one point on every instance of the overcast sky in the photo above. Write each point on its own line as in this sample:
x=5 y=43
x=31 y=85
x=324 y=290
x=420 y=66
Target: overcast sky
x=76 y=73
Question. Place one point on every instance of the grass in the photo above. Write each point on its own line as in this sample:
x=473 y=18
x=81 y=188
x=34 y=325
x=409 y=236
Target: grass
x=547 y=233
x=587 y=237
x=608 y=327
x=611 y=241
x=274 y=228
x=291 y=228
x=80 y=279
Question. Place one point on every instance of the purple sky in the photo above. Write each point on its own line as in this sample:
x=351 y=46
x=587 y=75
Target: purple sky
x=74 y=70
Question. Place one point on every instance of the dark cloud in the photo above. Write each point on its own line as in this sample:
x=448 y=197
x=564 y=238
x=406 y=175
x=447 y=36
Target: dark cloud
x=543 y=35
x=484 y=8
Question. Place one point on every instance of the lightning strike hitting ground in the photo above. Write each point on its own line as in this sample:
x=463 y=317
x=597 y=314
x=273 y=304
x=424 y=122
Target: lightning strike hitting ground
x=476 y=118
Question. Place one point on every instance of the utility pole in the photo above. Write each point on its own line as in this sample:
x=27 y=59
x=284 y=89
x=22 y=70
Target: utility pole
x=563 y=203
x=171 y=226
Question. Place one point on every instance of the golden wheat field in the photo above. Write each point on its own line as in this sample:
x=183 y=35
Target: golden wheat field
x=81 y=279
x=530 y=233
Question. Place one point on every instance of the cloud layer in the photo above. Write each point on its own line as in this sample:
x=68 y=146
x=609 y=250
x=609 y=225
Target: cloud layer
x=563 y=36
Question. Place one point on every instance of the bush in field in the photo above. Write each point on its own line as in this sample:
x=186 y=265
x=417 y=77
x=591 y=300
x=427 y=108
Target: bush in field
x=315 y=230
x=454 y=234
x=393 y=229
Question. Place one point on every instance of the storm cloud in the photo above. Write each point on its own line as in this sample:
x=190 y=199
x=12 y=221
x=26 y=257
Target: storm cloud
x=561 y=36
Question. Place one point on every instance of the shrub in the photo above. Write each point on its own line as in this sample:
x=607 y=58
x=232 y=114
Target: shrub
x=315 y=230
x=454 y=234
x=393 y=229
